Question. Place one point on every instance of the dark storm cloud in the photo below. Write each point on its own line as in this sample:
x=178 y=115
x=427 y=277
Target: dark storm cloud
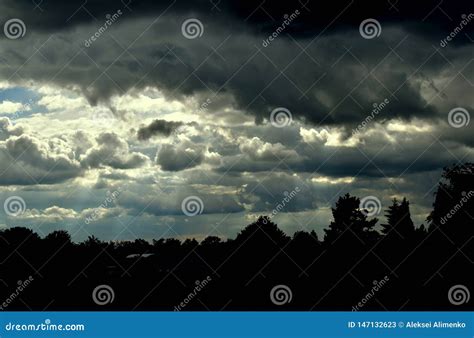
x=176 y=158
x=26 y=160
x=424 y=16
x=377 y=155
x=253 y=77
x=335 y=80
x=158 y=127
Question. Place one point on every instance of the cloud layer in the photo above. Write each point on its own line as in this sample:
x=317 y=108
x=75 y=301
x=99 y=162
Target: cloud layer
x=159 y=115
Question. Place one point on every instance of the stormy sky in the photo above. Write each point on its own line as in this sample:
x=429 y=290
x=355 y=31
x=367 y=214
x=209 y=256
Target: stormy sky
x=114 y=114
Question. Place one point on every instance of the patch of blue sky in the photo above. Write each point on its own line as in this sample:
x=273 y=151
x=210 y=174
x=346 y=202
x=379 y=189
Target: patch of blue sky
x=27 y=97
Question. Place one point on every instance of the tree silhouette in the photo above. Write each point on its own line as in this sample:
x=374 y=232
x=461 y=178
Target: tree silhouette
x=14 y=237
x=58 y=238
x=261 y=231
x=211 y=241
x=350 y=221
x=453 y=208
x=93 y=242
x=399 y=224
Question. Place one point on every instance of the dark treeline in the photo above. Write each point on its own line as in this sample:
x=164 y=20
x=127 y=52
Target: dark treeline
x=354 y=267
